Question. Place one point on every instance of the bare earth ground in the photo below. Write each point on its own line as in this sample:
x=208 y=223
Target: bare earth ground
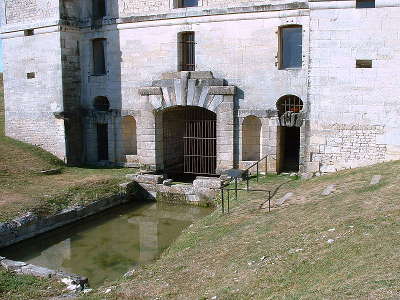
x=342 y=246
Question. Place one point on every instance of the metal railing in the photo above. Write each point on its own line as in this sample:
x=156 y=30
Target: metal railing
x=225 y=187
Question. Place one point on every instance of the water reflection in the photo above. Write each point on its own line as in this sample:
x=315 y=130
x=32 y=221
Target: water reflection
x=105 y=246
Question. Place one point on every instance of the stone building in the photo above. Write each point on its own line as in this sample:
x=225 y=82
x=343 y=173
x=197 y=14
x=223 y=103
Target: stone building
x=200 y=86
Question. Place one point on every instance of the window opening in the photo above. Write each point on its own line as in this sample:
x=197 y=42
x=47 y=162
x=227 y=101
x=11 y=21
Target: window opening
x=289 y=103
x=290 y=52
x=99 y=60
x=28 y=32
x=187 y=3
x=186 y=53
x=363 y=63
x=98 y=9
x=30 y=75
x=365 y=4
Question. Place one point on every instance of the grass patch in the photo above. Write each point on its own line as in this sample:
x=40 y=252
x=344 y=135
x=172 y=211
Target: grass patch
x=24 y=188
x=22 y=287
x=285 y=254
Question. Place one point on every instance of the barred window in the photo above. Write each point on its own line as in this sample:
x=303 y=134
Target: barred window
x=186 y=47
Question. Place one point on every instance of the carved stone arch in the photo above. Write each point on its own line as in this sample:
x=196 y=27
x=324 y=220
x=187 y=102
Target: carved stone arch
x=187 y=90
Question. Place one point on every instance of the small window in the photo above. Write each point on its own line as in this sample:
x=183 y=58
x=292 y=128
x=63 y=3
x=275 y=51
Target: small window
x=186 y=55
x=291 y=49
x=186 y=3
x=365 y=3
x=28 y=32
x=364 y=63
x=30 y=75
x=98 y=9
x=99 y=61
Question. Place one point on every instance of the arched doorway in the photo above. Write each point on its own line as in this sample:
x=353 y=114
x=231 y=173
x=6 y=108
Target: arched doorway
x=101 y=104
x=129 y=135
x=189 y=141
x=251 y=139
x=288 y=150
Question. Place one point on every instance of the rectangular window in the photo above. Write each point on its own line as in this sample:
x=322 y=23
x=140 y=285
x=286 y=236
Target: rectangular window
x=30 y=75
x=291 y=50
x=28 y=32
x=186 y=3
x=363 y=63
x=98 y=9
x=99 y=61
x=365 y=3
x=186 y=55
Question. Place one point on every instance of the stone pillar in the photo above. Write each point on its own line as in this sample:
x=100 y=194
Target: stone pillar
x=225 y=135
x=271 y=145
x=146 y=134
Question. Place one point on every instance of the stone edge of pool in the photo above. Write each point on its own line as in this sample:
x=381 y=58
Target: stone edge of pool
x=150 y=187
x=73 y=282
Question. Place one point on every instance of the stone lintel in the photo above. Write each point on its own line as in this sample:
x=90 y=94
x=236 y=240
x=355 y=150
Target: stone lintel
x=146 y=91
x=222 y=90
x=188 y=74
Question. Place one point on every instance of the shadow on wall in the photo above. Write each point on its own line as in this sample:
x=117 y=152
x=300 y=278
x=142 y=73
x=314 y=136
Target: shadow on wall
x=102 y=58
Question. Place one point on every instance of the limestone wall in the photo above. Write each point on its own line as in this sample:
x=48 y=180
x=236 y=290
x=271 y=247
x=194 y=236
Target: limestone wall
x=25 y=11
x=30 y=103
x=354 y=112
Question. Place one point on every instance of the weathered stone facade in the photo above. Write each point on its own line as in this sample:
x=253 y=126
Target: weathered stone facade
x=351 y=115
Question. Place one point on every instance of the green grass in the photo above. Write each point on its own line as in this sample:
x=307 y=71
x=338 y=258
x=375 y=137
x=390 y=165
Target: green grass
x=285 y=254
x=24 y=188
x=23 y=287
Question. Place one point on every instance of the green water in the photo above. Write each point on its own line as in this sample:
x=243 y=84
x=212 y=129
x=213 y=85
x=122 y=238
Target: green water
x=105 y=246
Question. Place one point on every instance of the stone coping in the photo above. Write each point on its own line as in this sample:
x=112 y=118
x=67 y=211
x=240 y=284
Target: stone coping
x=31 y=225
x=74 y=282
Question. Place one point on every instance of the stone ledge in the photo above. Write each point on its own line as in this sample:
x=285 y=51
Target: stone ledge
x=75 y=282
x=222 y=90
x=30 y=225
x=147 y=91
x=202 y=12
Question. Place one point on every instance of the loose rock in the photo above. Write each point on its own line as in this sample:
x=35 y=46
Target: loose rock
x=282 y=200
x=329 y=190
x=375 y=179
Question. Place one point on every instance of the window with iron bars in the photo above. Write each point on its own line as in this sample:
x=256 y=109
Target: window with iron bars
x=186 y=55
x=289 y=103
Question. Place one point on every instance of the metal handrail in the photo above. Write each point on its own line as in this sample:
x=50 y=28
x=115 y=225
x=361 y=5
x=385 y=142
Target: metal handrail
x=236 y=189
x=257 y=164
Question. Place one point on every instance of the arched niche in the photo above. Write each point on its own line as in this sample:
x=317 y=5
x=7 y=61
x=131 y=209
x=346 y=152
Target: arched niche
x=129 y=135
x=251 y=139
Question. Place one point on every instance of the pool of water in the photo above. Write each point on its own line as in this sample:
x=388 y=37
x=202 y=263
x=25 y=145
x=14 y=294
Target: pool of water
x=105 y=246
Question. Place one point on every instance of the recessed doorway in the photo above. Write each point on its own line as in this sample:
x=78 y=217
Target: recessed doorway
x=190 y=141
x=289 y=148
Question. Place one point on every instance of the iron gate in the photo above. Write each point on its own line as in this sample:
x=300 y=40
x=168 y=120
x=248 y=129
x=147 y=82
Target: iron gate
x=190 y=141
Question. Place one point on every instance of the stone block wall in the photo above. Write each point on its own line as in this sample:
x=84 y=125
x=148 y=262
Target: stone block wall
x=354 y=111
x=31 y=103
x=26 y=11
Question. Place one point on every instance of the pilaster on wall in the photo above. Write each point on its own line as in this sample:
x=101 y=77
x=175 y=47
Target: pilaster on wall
x=146 y=133
x=226 y=135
